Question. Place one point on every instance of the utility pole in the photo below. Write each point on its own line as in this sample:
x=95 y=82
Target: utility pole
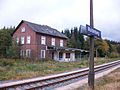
x=91 y=61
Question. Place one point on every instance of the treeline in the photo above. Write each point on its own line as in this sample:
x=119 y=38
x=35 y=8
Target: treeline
x=75 y=39
x=103 y=48
x=6 y=42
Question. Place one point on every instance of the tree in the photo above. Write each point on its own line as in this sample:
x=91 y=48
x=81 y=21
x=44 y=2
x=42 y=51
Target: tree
x=72 y=41
x=13 y=51
x=102 y=47
x=75 y=39
x=5 y=40
x=86 y=43
x=118 y=49
x=114 y=48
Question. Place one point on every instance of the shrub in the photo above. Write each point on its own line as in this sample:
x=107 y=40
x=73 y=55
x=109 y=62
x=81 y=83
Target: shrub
x=113 y=55
x=46 y=59
x=7 y=62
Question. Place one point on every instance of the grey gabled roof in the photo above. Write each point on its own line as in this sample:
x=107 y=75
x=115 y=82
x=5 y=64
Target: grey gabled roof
x=44 y=29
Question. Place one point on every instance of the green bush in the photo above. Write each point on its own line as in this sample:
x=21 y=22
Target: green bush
x=7 y=63
x=45 y=59
x=113 y=55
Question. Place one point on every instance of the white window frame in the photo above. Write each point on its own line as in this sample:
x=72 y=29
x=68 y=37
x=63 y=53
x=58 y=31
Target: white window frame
x=17 y=40
x=53 y=41
x=22 y=53
x=61 y=43
x=43 y=40
x=23 y=29
x=28 y=53
x=22 y=40
x=43 y=53
x=28 y=39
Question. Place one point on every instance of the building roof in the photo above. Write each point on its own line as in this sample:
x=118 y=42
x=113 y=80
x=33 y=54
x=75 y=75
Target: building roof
x=66 y=49
x=44 y=29
x=71 y=49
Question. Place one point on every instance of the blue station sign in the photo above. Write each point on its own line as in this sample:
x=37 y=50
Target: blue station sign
x=89 y=31
x=93 y=32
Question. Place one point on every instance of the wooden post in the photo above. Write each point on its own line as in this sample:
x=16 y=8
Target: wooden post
x=91 y=61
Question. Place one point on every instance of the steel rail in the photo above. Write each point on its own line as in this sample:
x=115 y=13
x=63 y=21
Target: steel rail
x=54 y=79
x=74 y=77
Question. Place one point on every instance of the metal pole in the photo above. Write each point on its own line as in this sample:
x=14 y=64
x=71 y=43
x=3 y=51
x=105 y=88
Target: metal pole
x=91 y=61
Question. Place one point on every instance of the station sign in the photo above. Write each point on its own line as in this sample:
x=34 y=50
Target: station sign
x=83 y=30
x=89 y=31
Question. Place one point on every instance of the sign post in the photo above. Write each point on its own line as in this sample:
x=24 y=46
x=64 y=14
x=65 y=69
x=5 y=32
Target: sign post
x=92 y=33
x=91 y=61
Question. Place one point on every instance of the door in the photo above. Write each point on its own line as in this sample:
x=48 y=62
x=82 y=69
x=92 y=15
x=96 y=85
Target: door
x=52 y=55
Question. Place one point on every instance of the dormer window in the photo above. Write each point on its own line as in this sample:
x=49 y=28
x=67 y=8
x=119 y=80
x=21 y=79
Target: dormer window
x=23 y=29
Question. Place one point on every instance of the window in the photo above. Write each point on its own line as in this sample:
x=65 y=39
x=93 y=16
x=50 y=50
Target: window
x=53 y=41
x=22 y=53
x=61 y=43
x=28 y=40
x=17 y=40
x=23 y=29
x=67 y=55
x=28 y=52
x=22 y=40
x=42 y=53
x=43 y=40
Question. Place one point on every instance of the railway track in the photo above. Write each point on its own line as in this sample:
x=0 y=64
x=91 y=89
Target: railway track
x=54 y=81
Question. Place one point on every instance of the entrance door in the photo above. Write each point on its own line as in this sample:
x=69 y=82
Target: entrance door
x=42 y=53
x=52 y=55
x=60 y=55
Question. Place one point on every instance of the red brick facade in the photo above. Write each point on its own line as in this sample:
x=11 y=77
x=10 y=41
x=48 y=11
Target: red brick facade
x=35 y=45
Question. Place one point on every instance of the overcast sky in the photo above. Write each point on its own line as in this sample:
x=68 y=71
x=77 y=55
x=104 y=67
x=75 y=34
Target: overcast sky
x=62 y=14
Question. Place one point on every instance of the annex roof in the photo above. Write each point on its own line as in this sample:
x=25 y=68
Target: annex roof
x=66 y=49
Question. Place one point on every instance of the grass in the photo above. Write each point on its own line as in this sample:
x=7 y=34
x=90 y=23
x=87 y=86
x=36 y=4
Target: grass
x=20 y=69
x=108 y=82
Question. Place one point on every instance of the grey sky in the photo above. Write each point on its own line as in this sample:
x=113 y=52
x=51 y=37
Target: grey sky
x=62 y=14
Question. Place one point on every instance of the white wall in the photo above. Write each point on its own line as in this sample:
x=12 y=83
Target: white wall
x=72 y=57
